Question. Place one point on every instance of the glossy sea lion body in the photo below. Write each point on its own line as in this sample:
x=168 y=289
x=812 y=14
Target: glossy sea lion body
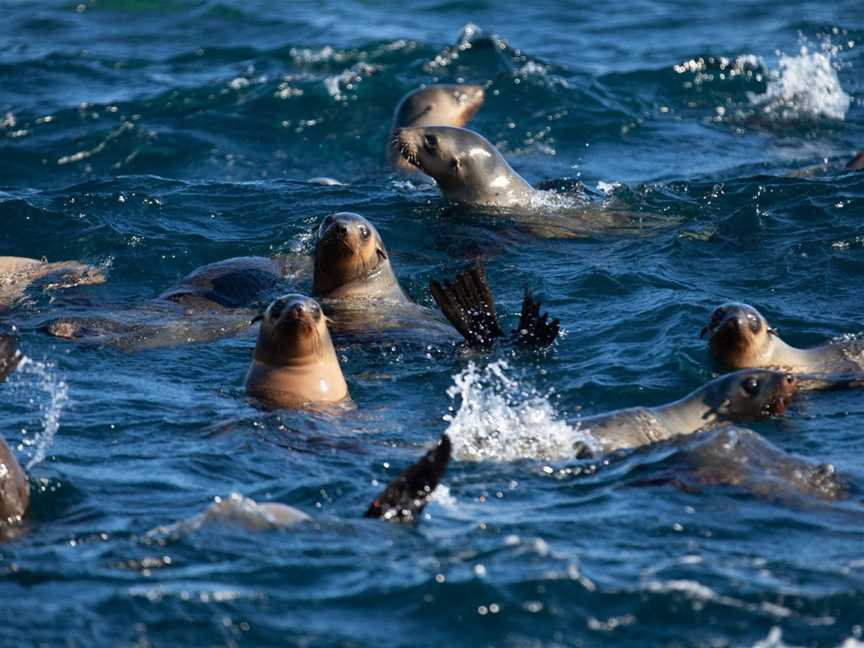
x=18 y=273
x=450 y=104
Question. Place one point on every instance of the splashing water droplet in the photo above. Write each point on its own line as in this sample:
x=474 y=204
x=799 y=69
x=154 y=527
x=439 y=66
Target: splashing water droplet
x=499 y=419
x=58 y=394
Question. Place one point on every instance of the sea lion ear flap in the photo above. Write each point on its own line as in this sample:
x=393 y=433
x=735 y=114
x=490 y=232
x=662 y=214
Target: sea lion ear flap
x=455 y=163
x=257 y=318
x=773 y=331
x=703 y=332
x=382 y=253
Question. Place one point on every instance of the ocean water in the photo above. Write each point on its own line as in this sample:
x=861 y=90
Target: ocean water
x=152 y=137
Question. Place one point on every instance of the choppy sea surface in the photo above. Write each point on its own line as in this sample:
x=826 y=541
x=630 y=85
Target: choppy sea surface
x=152 y=137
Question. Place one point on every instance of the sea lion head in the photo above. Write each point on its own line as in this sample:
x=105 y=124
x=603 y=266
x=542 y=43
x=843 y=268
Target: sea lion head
x=293 y=330
x=10 y=357
x=750 y=393
x=349 y=250
x=464 y=164
x=443 y=104
x=738 y=336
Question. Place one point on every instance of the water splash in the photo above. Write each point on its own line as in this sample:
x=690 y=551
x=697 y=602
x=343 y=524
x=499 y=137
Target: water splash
x=58 y=395
x=499 y=419
x=805 y=85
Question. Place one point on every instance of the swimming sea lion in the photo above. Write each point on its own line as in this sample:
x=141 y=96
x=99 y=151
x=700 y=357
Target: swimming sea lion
x=465 y=165
x=442 y=104
x=747 y=394
x=14 y=487
x=295 y=364
x=403 y=500
x=17 y=273
x=354 y=282
x=214 y=301
x=740 y=458
x=740 y=337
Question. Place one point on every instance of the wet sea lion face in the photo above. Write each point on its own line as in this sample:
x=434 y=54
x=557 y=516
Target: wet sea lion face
x=751 y=393
x=349 y=249
x=293 y=328
x=441 y=104
x=466 y=166
x=738 y=335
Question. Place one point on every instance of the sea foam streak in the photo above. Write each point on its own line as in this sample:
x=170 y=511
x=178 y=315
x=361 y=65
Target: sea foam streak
x=499 y=419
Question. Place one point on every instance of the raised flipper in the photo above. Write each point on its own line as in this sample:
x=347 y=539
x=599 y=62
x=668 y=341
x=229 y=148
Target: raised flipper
x=467 y=302
x=406 y=496
x=9 y=356
x=856 y=163
x=535 y=329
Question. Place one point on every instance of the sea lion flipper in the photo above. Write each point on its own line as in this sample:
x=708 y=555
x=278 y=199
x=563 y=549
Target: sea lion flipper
x=468 y=304
x=406 y=496
x=535 y=329
x=856 y=163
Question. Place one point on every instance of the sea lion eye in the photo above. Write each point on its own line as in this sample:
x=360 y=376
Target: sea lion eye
x=364 y=232
x=716 y=316
x=750 y=386
x=430 y=143
x=276 y=308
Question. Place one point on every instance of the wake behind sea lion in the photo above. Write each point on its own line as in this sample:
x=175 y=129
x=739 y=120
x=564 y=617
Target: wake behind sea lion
x=740 y=337
x=444 y=104
x=294 y=364
x=743 y=395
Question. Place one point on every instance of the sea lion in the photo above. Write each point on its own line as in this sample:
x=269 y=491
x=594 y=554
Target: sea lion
x=450 y=104
x=214 y=301
x=14 y=487
x=740 y=458
x=466 y=166
x=740 y=337
x=18 y=273
x=294 y=363
x=747 y=394
x=403 y=500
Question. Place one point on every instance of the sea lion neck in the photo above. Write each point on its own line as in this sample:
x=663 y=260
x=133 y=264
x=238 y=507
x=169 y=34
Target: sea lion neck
x=378 y=282
x=693 y=412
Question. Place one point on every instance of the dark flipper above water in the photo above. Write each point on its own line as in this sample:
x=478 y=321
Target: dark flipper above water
x=535 y=329
x=467 y=302
x=9 y=356
x=406 y=496
x=856 y=163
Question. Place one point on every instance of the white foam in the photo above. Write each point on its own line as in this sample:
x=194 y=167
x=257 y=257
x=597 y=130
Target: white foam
x=499 y=419
x=348 y=80
x=805 y=85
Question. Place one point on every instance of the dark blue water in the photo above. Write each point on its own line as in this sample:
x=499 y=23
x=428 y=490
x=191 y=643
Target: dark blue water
x=153 y=137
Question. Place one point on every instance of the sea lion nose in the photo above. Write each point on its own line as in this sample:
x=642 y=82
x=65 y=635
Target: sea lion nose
x=297 y=308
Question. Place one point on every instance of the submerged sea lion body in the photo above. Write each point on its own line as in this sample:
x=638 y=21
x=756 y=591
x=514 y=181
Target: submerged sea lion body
x=740 y=458
x=745 y=394
x=439 y=104
x=740 y=337
x=294 y=363
x=354 y=282
x=214 y=301
x=18 y=273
